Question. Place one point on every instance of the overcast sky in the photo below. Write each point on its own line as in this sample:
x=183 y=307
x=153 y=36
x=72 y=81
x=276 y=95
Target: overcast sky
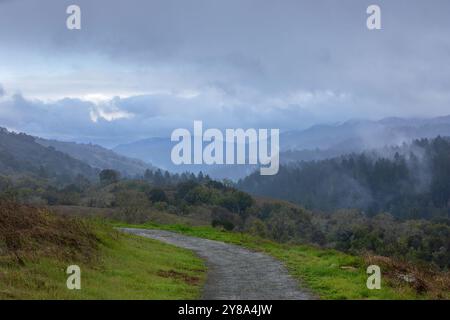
x=140 y=68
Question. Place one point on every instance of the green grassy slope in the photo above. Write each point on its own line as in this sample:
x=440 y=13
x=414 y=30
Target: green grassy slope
x=129 y=267
x=36 y=248
x=327 y=273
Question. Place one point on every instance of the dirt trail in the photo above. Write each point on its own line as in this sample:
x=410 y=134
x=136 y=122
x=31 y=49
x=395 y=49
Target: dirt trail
x=234 y=272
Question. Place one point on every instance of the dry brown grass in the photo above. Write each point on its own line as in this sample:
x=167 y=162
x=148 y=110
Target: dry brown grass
x=27 y=233
x=423 y=279
x=172 y=274
x=200 y=217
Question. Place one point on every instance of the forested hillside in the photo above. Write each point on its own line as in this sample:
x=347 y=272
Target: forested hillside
x=21 y=156
x=98 y=157
x=351 y=203
x=410 y=181
x=161 y=197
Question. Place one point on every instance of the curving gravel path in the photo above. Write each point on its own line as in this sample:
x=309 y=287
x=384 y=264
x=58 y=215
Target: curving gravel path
x=234 y=272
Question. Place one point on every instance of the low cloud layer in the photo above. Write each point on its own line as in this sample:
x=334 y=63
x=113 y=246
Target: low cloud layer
x=141 y=68
x=120 y=120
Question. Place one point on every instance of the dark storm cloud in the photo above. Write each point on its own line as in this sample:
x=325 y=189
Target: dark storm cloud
x=281 y=64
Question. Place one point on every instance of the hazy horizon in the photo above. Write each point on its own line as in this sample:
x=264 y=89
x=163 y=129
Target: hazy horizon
x=143 y=68
x=111 y=146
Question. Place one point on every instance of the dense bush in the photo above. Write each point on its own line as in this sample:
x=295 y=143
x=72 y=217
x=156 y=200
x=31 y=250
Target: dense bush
x=109 y=176
x=157 y=195
x=349 y=230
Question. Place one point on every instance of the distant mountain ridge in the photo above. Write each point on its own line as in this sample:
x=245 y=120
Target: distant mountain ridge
x=21 y=155
x=99 y=157
x=153 y=150
x=363 y=134
x=157 y=151
x=322 y=141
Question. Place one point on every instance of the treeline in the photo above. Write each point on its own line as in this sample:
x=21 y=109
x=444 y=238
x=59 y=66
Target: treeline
x=136 y=198
x=408 y=182
x=224 y=206
x=418 y=175
x=352 y=231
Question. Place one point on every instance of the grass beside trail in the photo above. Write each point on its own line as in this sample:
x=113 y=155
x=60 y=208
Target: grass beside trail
x=38 y=246
x=329 y=274
x=130 y=267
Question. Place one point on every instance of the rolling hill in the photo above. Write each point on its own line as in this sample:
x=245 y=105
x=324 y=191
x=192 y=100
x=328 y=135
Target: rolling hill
x=99 y=157
x=318 y=142
x=21 y=155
